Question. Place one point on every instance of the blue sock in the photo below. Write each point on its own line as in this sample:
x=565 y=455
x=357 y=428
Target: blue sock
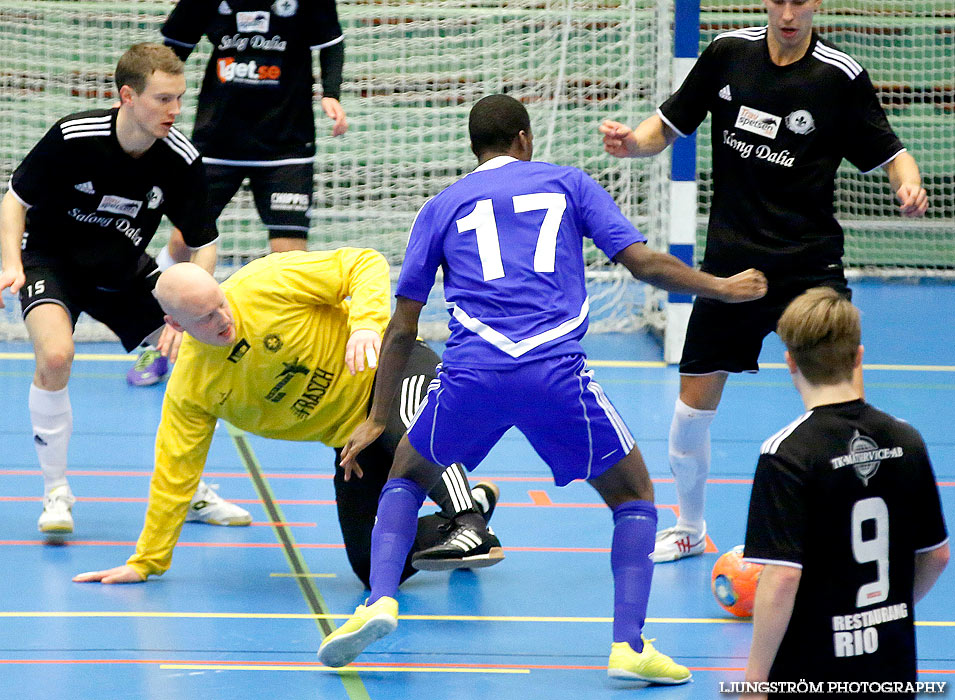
x=634 y=534
x=393 y=535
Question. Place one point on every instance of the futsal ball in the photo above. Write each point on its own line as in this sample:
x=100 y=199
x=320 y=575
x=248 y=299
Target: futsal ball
x=734 y=582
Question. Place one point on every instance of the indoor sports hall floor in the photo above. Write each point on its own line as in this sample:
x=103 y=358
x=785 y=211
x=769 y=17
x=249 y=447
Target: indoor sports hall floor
x=242 y=611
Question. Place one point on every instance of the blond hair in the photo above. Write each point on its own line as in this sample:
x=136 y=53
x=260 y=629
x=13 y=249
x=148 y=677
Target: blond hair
x=821 y=330
x=142 y=60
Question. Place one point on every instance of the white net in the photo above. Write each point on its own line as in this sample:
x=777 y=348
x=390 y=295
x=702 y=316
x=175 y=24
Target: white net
x=412 y=71
x=908 y=48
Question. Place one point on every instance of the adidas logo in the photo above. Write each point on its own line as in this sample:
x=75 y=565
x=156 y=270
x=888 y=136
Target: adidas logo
x=224 y=8
x=726 y=94
x=86 y=187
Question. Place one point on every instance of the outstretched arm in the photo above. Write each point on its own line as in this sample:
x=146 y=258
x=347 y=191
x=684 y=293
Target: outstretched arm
x=650 y=137
x=906 y=182
x=672 y=274
x=396 y=346
x=13 y=216
x=182 y=444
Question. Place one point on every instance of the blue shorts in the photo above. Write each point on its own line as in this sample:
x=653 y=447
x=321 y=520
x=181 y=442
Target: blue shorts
x=555 y=403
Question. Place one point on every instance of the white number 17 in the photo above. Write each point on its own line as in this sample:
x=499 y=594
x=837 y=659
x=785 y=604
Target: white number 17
x=481 y=221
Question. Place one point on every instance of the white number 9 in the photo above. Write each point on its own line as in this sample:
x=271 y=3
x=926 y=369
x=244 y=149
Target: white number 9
x=875 y=549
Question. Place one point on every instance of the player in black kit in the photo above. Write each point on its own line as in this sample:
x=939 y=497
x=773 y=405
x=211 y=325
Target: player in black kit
x=255 y=117
x=787 y=107
x=845 y=516
x=74 y=226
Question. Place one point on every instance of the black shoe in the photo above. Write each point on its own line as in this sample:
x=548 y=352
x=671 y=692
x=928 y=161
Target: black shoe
x=485 y=495
x=464 y=548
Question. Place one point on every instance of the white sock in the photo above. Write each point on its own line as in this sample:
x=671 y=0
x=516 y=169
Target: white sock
x=690 y=461
x=52 y=418
x=164 y=260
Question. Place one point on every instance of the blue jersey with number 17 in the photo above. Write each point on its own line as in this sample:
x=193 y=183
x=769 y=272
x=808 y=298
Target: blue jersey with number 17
x=509 y=239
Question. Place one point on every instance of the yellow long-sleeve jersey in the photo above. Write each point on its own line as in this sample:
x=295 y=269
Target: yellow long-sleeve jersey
x=283 y=377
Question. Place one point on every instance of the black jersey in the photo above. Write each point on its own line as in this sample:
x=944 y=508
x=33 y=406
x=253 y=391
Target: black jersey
x=847 y=493
x=779 y=135
x=256 y=97
x=95 y=206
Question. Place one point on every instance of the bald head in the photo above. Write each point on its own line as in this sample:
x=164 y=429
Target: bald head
x=194 y=303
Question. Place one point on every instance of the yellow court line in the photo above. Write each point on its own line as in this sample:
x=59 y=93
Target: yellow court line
x=95 y=357
x=625 y=363
x=280 y=575
x=83 y=356
x=433 y=618
x=346 y=669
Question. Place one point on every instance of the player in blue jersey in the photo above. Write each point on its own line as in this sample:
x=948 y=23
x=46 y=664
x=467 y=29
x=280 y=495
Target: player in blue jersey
x=509 y=239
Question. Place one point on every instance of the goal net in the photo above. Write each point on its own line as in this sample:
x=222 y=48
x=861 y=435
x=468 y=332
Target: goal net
x=413 y=69
x=908 y=48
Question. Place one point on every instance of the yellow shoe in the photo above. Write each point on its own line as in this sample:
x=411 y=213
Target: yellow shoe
x=368 y=624
x=649 y=665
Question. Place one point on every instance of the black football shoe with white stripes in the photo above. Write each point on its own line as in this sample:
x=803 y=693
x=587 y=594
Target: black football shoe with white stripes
x=464 y=547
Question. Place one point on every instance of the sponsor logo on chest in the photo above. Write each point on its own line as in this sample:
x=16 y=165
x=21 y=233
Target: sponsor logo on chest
x=250 y=72
x=256 y=22
x=758 y=122
x=120 y=205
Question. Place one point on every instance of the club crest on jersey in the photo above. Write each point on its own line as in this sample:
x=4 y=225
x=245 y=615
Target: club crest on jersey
x=800 y=122
x=757 y=122
x=256 y=22
x=120 y=205
x=285 y=8
x=154 y=197
x=865 y=457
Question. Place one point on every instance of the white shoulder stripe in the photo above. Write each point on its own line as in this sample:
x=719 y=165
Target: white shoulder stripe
x=833 y=62
x=772 y=444
x=838 y=63
x=836 y=53
x=87 y=120
x=749 y=33
x=83 y=127
x=183 y=142
x=84 y=134
x=188 y=157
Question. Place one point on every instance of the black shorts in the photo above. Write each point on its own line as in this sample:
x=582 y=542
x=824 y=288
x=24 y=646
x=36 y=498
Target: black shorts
x=128 y=308
x=282 y=193
x=358 y=498
x=723 y=337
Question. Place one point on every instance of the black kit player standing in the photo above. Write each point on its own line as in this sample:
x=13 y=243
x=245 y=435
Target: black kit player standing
x=846 y=518
x=255 y=118
x=846 y=493
x=787 y=107
x=74 y=225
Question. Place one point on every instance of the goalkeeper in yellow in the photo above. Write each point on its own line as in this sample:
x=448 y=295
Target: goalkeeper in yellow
x=286 y=348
